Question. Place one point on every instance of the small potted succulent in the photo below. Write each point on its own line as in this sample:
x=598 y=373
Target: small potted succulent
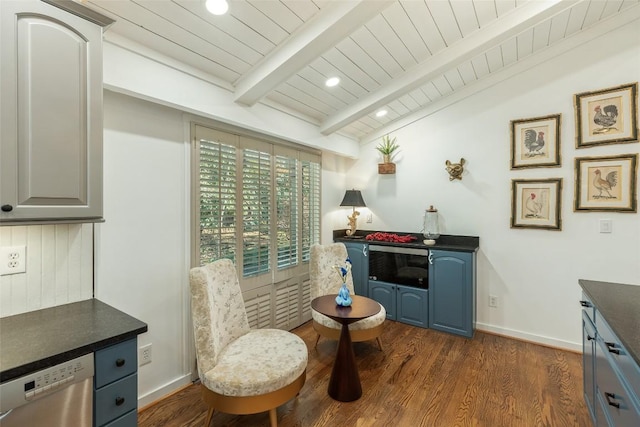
x=387 y=148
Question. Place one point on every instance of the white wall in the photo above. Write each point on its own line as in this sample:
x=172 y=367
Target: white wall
x=142 y=247
x=534 y=273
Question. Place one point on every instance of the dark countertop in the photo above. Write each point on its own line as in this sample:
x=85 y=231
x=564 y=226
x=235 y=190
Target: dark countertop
x=445 y=241
x=39 y=339
x=619 y=305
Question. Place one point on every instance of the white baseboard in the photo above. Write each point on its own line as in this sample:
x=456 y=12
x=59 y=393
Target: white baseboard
x=163 y=391
x=525 y=336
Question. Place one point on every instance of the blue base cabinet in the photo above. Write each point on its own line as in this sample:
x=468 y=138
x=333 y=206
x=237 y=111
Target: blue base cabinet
x=611 y=376
x=115 y=402
x=360 y=266
x=452 y=289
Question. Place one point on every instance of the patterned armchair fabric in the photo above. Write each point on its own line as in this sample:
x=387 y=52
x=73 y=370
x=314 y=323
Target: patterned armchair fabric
x=325 y=280
x=234 y=360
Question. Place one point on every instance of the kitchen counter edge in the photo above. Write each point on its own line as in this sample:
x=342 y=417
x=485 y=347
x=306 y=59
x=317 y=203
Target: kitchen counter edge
x=618 y=304
x=42 y=338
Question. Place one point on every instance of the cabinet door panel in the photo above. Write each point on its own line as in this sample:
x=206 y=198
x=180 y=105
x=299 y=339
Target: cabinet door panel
x=588 y=362
x=412 y=306
x=451 y=287
x=385 y=294
x=52 y=116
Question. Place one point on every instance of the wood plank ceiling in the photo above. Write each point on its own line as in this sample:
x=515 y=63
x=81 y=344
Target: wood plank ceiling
x=409 y=57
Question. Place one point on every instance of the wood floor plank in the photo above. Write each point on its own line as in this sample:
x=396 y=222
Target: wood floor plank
x=422 y=378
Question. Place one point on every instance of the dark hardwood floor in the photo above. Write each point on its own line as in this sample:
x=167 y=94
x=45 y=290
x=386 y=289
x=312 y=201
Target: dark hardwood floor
x=422 y=378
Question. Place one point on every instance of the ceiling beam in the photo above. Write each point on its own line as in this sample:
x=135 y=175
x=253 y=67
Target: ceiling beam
x=510 y=25
x=327 y=28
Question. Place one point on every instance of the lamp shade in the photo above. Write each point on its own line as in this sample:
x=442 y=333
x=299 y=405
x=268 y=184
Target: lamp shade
x=353 y=198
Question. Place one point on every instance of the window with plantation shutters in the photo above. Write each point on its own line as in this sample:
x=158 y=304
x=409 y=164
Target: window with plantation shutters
x=287 y=211
x=218 y=195
x=310 y=228
x=257 y=203
x=256 y=212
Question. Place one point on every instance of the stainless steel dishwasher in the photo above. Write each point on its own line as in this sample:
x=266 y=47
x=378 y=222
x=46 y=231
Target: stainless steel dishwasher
x=60 y=396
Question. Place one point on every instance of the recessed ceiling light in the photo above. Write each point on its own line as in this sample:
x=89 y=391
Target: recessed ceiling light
x=333 y=81
x=217 y=7
x=381 y=113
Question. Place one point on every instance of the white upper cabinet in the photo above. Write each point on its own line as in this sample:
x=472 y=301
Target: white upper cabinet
x=51 y=113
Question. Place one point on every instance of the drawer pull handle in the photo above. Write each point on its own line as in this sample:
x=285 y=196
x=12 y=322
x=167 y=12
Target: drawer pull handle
x=120 y=363
x=610 y=396
x=612 y=348
x=119 y=401
x=585 y=303
x=589 y=337
x=7 y=208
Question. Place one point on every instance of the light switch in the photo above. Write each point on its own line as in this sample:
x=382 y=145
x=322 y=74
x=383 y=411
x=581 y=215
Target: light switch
x=606 y=226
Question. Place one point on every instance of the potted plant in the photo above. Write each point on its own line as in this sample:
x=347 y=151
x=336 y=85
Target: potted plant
x=386 y=148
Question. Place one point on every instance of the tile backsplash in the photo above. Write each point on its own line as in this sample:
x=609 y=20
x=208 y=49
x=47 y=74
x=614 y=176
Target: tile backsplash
x=59 y=267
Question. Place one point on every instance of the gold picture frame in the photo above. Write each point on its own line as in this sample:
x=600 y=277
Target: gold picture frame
x=535 y=142
x=606 y=183
x=607 y=116
x=536 y=203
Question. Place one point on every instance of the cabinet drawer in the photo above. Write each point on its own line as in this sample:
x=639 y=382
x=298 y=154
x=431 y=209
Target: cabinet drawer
x=116 y=399
x=128 y=420
x=115 y=362
x=614 y=398
x=625 y=363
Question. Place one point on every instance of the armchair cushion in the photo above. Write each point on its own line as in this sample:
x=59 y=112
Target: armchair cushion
x=259 y=362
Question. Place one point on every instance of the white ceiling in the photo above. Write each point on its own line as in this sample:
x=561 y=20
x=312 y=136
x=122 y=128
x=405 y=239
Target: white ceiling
x=410 y=57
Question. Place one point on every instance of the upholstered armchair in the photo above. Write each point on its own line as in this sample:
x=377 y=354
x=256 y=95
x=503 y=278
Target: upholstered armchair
x=325 y=280
x=242 y=370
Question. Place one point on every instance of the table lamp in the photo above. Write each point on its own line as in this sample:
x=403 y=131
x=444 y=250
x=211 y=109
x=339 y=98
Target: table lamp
x=354 y=199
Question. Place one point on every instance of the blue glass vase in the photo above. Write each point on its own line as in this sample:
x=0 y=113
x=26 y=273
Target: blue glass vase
x=343 y=298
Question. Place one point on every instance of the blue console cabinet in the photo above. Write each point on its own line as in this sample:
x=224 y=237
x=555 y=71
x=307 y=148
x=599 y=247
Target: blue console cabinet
x=449 y=303
x=452 y=292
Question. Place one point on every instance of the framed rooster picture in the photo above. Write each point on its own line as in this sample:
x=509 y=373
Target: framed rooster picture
x=535 y=203
x=606 y=183
x=608 y=116
x=535 y=142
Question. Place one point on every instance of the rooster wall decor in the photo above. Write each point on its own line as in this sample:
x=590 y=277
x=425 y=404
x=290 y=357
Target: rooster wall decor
x=455 y=169
x=606 y=121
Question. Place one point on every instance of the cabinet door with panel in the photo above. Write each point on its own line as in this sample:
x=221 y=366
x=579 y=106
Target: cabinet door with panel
x=452 y=292
x=385 y=294
x=588 y=362
x=51 y=113
x=358 y=254
x=412 y=306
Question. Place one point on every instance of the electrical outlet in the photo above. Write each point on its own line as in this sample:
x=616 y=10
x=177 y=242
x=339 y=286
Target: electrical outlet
x=13 y=260
x=369 y=218
x=144 y=355
x=493 y=301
